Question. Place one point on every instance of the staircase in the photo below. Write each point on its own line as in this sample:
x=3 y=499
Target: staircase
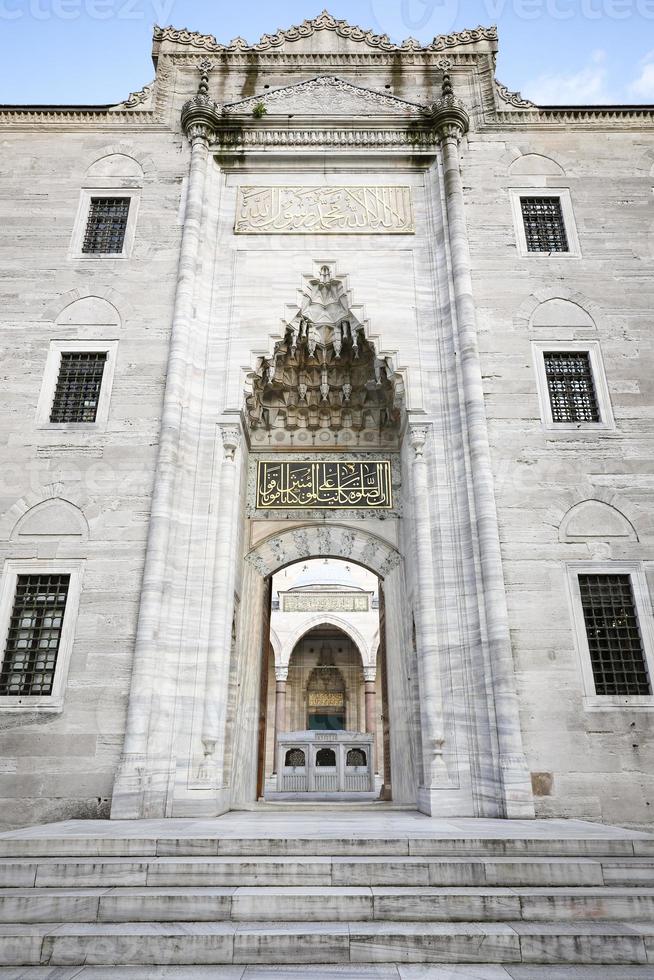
x=364 y=892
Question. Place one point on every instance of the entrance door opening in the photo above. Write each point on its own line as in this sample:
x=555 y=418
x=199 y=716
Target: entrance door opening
x=326 y=683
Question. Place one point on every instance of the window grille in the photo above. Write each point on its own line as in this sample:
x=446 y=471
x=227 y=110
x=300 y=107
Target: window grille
x=614 y=639
x=356 y=757
x=106 y=225
x=571 y=387
x=78 y=386
x=325 y=757
x=35 y=627
x=544 y=226
x=295 y=758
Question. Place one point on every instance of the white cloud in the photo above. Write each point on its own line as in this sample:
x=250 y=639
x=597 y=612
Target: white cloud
x=586 y=86
x=643 y=86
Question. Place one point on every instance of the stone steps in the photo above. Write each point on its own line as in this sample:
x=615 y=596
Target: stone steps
x=320 y=845
x=348 y=971
x=326 y=871
x=270 y=904
x=196 y=943
x=365 y=905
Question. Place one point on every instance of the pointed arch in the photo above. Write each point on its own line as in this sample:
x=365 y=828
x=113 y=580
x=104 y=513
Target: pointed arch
x=327 y=619
x=323 y=541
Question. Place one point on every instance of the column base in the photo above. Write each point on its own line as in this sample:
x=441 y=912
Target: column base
x=517 y=794
x=141 y=788
x=445 y=802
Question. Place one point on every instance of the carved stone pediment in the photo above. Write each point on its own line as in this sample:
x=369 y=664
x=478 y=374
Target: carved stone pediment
x=325 y=96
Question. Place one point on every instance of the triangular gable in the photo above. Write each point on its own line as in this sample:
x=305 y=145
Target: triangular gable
x=325 y=96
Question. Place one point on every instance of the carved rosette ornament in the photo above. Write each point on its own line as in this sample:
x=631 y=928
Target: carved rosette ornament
x=449 y=115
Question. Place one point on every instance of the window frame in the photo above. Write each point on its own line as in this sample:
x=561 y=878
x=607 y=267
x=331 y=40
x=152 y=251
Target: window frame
x=48 y=703
x=563 y=194
x=592 y=348
x=51 y=376
x=81 y=219
x=643 y=606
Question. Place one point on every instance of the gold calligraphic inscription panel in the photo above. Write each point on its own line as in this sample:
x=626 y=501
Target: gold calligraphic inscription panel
x=330 y=485
x=326 y=699
x=324 y=210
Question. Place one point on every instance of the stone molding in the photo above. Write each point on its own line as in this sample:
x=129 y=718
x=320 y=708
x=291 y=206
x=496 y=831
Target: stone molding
x=366 y=138
x=323 y=541
x=514 y=99
x=324 y=21
x=324 y=95
x=143 y=96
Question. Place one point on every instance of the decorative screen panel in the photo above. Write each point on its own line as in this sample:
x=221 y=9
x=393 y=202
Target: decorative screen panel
x=106 y=225
x=544 y=225
x=614 y=639
x=571 y=387
x=30 y=658
x=78 y=386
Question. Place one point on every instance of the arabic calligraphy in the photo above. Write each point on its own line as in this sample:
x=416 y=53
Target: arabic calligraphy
x=308 y=602
x=330 y=210
x=339 y=485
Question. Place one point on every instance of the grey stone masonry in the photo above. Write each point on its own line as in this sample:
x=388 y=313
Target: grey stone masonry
x=325 y=252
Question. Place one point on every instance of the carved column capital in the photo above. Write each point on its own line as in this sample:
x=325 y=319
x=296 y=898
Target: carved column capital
x=281 y=672
x=231 y=437
x=449 y=115
x=417 y=438
x=201 y=118
x=369 y=674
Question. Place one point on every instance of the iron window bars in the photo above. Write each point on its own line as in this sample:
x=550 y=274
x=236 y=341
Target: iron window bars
x=571 y=387
x=544 y=225
x=106 y=225
x=79 y=382
x=34 y=635
x=615 y=643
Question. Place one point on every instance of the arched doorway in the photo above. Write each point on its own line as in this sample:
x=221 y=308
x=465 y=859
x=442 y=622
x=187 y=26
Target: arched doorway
x=325 y=664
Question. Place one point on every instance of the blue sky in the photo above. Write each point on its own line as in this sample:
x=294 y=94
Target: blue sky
x=553 y=51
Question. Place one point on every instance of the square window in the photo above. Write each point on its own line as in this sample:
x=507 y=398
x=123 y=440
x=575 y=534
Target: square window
x=77 y=393
x=543 y=224
x=571 y=387
x=34 y=635
x=106 y=225
x=615 y=643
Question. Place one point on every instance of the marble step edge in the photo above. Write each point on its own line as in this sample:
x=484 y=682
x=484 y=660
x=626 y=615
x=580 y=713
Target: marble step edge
x=174 y=872
x=385 y=971
x=347 y=971
x=314 y=846
x=244 y=904
x=243 y=943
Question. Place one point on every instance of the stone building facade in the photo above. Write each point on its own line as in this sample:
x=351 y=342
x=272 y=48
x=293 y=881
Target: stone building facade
x=326 y=296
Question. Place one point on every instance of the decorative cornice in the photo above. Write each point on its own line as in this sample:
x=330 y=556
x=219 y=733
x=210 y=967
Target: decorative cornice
x=400 y=138
x=513 y=98
x=323 y=22
x=135 y=99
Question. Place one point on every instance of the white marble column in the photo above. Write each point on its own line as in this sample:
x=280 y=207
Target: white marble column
x=451 y=122
x=222 y=611
x=144 y=774
x=369 y=677
x=429 y=666
x=281 y=677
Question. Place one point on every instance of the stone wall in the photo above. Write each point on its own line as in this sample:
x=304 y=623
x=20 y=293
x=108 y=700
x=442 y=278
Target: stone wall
x=586 y=762
x=60 y=765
